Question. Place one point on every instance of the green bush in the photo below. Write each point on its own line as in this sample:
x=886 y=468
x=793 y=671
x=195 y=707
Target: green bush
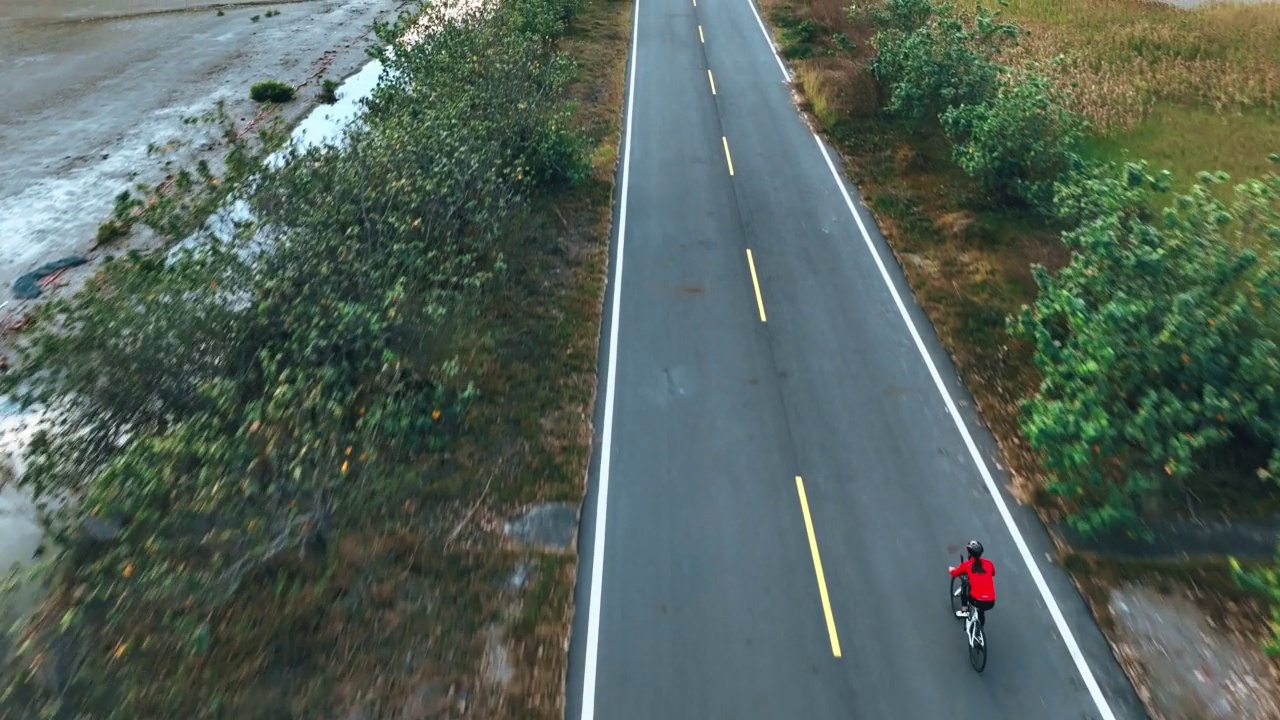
x=251 y=398
x=933 y=59
x=329 y=91
x=110 y=230
x=1017 y=143
x=897 y=15
x=1157 y=344
x=271 y=91
x=545 y=19
x=1090 y=191
x=1265 y=583
x=797 y=39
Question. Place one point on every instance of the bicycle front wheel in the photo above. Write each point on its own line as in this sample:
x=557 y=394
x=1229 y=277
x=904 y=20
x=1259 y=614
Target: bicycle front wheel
x=957 y=591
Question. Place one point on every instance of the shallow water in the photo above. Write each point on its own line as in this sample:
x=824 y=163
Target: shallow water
x=19 y=532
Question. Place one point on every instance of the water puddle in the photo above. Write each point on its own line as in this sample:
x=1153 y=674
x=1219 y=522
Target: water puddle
x=20 y=532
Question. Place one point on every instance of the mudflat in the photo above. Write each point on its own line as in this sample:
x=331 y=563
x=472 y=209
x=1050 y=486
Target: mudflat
x=90 y=85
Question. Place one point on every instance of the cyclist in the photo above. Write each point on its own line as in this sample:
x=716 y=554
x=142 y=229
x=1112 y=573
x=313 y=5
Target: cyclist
x=982 y=583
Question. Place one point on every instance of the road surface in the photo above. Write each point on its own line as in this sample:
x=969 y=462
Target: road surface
x=786 y=464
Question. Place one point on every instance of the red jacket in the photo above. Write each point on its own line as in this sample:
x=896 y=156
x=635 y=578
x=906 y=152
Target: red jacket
x=982 y=585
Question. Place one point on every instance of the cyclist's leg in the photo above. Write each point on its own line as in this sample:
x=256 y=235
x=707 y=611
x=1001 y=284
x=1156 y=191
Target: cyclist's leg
x=983 y=606
x=966 y=602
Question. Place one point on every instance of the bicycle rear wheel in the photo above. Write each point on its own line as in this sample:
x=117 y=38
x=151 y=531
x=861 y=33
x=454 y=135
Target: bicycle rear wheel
x=978 y=650
x=957 y=590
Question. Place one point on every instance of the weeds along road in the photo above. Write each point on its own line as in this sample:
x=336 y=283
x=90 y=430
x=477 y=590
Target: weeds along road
x=786 y=464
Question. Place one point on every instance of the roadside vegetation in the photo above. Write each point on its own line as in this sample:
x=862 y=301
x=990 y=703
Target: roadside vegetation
x=276 y=465
x=1084 y=196
x=329 y=91
x=271 y=91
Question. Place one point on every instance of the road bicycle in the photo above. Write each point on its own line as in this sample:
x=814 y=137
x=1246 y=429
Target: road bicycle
x=972 y=628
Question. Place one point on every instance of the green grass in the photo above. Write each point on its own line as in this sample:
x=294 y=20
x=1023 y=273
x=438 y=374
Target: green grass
x=1187 y=90
x=1186 y=140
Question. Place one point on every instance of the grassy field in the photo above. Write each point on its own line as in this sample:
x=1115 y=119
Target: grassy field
x=1187 y=90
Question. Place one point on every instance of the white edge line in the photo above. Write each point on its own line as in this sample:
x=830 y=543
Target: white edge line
x=786 y=74
x=606 y=441
x=1068 y=638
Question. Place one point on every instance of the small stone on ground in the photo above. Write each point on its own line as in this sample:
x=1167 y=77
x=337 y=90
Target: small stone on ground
x=550 y=524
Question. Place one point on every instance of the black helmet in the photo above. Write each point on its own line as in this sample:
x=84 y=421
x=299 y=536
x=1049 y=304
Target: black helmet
x=975 y=549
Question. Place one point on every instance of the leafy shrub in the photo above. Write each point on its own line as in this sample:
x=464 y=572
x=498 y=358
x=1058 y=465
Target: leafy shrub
x=930 y=59
x=546 y=19
x=896 y=15
x=271 y=91
x=1091 y=191
x=1265 y=583
x=1157 y=344
x=288 y=384
x=1019 y=141
x=110 y=230
x=329 y=91
x=797 y=38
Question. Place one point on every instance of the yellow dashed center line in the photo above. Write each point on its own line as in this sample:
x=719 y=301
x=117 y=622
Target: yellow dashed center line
x=728 y=158
x=713 y=81
x=817 y=566
x=751 y=262
x=700 y=37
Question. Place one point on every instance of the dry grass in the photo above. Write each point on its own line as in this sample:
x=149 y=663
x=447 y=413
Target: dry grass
x=1186 y=90
x=1130 y=56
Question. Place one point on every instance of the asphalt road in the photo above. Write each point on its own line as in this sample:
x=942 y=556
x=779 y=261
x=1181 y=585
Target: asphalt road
x=758 y=331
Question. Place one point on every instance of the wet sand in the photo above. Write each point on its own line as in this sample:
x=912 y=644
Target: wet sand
x=89 y=84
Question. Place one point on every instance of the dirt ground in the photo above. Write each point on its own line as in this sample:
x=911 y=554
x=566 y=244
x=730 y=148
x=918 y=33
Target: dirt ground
x=1187 y=666
x=91 y=84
